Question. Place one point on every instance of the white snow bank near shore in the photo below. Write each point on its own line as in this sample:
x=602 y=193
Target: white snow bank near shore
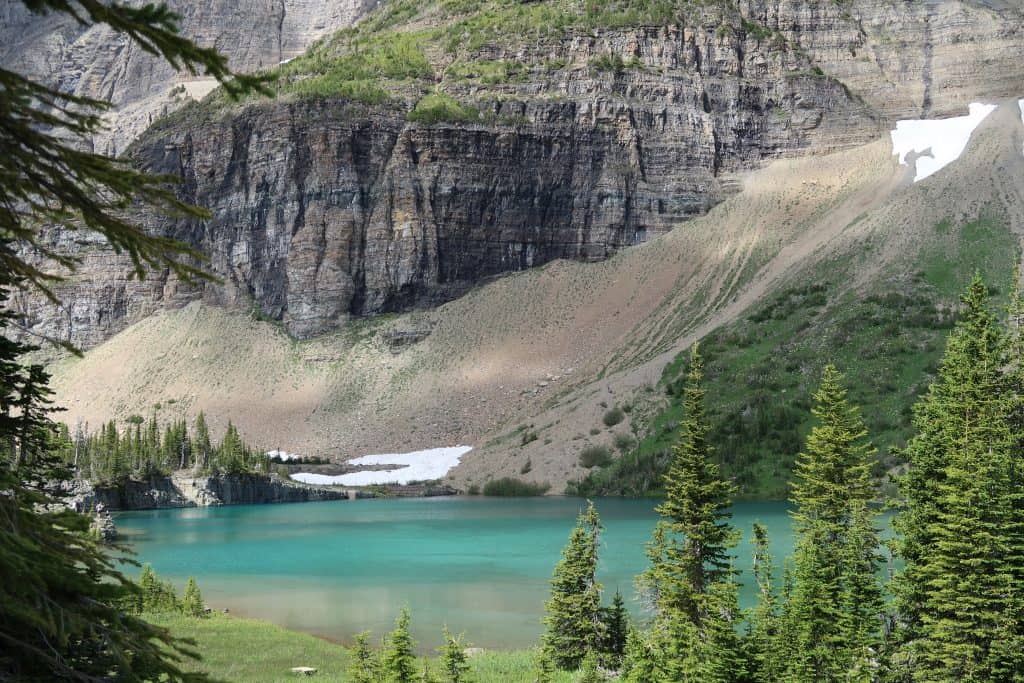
x=432 y=463
x=941 y=141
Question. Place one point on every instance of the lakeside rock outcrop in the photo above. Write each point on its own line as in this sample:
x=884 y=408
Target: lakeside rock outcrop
x=182 y=491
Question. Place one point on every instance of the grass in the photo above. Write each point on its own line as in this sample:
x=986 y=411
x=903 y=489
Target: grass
x=236 y=650
x=405 y=48
x=762 y=370
x=441 y=108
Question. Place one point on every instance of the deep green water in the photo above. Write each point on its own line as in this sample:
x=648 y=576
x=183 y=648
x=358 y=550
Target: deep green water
x=480 y=565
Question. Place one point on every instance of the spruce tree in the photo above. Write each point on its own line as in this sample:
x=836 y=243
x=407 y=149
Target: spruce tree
x=761 y=642
x=589 y=669
x=544 y=666
x=960 y=593
x=690 y=580
x=834 y=619
x=201 y=444
x=573 y=612
x=399 y=662
x=453 y=658
x=640 y=660
x=616 y=629
x=192 y=601
x=364 y=666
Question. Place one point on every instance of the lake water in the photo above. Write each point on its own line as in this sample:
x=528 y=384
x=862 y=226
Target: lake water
x=479 y=565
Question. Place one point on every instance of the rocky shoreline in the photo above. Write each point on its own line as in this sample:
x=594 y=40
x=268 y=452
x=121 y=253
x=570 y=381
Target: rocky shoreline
x=181 y=490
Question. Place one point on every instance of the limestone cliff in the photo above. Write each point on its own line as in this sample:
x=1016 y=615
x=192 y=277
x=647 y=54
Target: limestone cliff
x=101 y=63
x=181 y=491
x=588 y=139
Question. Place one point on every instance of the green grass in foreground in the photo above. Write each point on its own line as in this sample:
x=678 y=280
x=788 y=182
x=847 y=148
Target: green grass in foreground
x=251 y=651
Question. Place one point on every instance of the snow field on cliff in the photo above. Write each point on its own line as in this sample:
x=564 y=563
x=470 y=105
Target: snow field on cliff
x=939 y=141
x=425 y=465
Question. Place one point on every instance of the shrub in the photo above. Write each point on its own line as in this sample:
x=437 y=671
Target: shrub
x=528 y=437
x=613 y=417
x=624 y=441
x=510 y=486
x=595 y=456
x=438 y=108
x=473 y=490
x=527 y=466
x=611 y=63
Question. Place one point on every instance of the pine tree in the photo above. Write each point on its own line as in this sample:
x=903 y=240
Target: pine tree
x=690 y=581
x=616 y=628
x=364 y=666
x=192 y=601
x=399 y=662
x=573 y=612
x=453 y=658
x=834 y=622
x=762 y=648
x=960 y=593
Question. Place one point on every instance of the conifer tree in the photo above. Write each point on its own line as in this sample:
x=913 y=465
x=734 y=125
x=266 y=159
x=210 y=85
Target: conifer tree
x=762 y=649
x=639 y=661
x=589 y=670
x=192 y=601
x=201 y=444
x=573 y=612
x=544 y=666
x=453 y=658
x=960 y=593
x=690 y=581
x=834 y=619
x=399 y=663
x=364 y=666
x=616 y=628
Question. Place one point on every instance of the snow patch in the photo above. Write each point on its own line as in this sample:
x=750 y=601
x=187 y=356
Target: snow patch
x=432 y=463
x=283 y=456
x=285 y=61
x=939 y=141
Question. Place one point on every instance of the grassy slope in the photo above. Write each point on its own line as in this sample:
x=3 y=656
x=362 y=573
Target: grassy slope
x=449 y=60
x=879 y=306
x=250 y=651
x=761 y=369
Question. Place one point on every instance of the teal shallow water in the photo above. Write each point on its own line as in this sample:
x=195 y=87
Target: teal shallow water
x=479 y=565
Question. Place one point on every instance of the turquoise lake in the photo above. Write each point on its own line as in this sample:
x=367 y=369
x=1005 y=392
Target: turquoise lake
x=479 y=565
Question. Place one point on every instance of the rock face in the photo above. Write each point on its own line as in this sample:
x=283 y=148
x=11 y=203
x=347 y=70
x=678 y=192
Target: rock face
x=323 y=209
x=101 y=63
x=102 y=524
x=181 y=491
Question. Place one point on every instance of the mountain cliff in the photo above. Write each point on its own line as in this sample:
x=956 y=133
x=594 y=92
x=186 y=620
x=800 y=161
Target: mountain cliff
x=436 y=145
x=101 y=63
